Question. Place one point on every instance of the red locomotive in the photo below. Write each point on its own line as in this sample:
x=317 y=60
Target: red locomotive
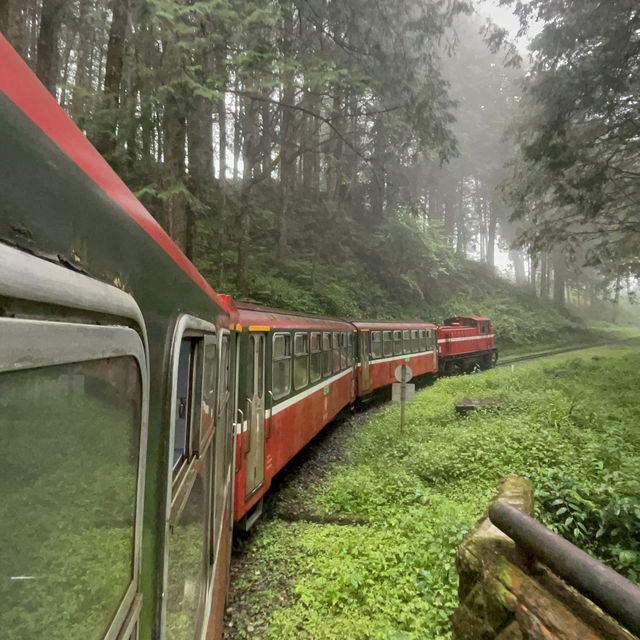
x=466 y=343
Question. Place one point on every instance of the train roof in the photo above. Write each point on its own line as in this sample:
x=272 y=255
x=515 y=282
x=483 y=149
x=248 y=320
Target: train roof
x=476 y=318
x=256 y=315
x=24 y=90
x=391 y=324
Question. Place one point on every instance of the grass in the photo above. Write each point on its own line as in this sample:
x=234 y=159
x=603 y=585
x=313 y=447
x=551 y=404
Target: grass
x=570 y=426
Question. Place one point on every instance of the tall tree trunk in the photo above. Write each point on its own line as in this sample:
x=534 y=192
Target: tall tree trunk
x=174 y=130
x=518 y=266
x=559 y=278
x=544 y=275
x=491 y=240
x=47 y=55
x=378 y=170
x=106 y=136
x=250 y=162
x=615 y=317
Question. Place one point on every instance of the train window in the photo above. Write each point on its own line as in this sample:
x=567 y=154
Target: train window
x=186 y=424
x=69 y=472
x=350 y=354
x=344 y=356
x=315 y=359
x=300 y=360
x=484 y=328
x=406 y=339
x=223 y=449
x=397 y=342
x=387 y=343
x=376 y=344
x=209 y=389
x=281 y=373
x=200 y=388
x=423 y=340
x=469 y=322
x=335 y=360
x=415 y=341
x=326 y=354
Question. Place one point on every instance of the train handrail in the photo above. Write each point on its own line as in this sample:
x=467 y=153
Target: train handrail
x=612 y=592
x=270 y=394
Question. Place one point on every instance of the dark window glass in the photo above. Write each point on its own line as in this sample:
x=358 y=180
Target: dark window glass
x=387 y=343
x=406 y=339
x=350 y=353
x=315 y=366
x=70 y=439
x=326 y=354
x=187 y=544
x=423 y=340
x=335 y=359
x=281 y=381
x=376 y=344
x=397 y=343
x=209 y=388
x=301 y=360
x=343 y=351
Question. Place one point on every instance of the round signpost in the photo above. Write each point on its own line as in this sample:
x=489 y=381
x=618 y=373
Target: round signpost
x=403 y=374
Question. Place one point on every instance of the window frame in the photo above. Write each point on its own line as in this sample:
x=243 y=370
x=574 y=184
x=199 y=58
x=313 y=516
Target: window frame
x=397 y=342
x=376 y=338
x=285 y=335
x=423 y=337
x=306 y=355
x=407 y=345
x=329 y=351
x=312 y=353
x=29 y=344
x=387 y=340
x=179 y=486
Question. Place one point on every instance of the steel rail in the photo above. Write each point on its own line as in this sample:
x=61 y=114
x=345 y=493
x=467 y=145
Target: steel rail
x=609 y=590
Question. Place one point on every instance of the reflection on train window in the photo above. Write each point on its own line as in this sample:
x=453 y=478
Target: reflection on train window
x=209 y=389
x=387 y=343
x=301 y=360
x=415 y=341
x=376 y=344
x=397 y=343
x=343 y=351
x=315 y=367
x=68 y=474
x=406 y=338
x=350 y=354
x=336 y=352
x=187 y=544
x=423 y=340
x=188 y=393
x=326 y=354
x=281 y=378
x=221 y=451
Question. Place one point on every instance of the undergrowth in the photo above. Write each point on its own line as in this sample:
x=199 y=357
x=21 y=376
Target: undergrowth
x=569 y=424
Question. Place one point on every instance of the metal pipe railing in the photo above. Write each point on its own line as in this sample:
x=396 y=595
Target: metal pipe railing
x=613 y=593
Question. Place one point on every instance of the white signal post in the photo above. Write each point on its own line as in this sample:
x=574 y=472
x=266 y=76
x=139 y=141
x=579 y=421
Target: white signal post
x=406 y=392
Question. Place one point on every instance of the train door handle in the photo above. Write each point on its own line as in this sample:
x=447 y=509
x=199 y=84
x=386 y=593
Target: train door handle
x=249 y=420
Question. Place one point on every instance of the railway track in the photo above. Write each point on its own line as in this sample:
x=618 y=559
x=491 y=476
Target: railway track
x=544 y=354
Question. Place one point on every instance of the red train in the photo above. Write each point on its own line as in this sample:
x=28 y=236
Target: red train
x=466 y=343
x=297 y=372
x=147 y=412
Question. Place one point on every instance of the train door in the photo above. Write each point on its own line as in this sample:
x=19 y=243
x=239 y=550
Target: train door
x=255 y=415
x=364 y=360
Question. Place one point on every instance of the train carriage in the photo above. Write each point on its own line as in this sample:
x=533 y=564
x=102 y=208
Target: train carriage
x=296 y=375
x=382 y=346
x=116 y=398
x=466 y=342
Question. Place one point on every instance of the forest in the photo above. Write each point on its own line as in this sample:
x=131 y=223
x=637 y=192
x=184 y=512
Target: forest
x=367 y=158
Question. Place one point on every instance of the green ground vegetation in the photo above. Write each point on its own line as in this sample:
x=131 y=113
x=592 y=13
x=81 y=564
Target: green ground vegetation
x=569 y=424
